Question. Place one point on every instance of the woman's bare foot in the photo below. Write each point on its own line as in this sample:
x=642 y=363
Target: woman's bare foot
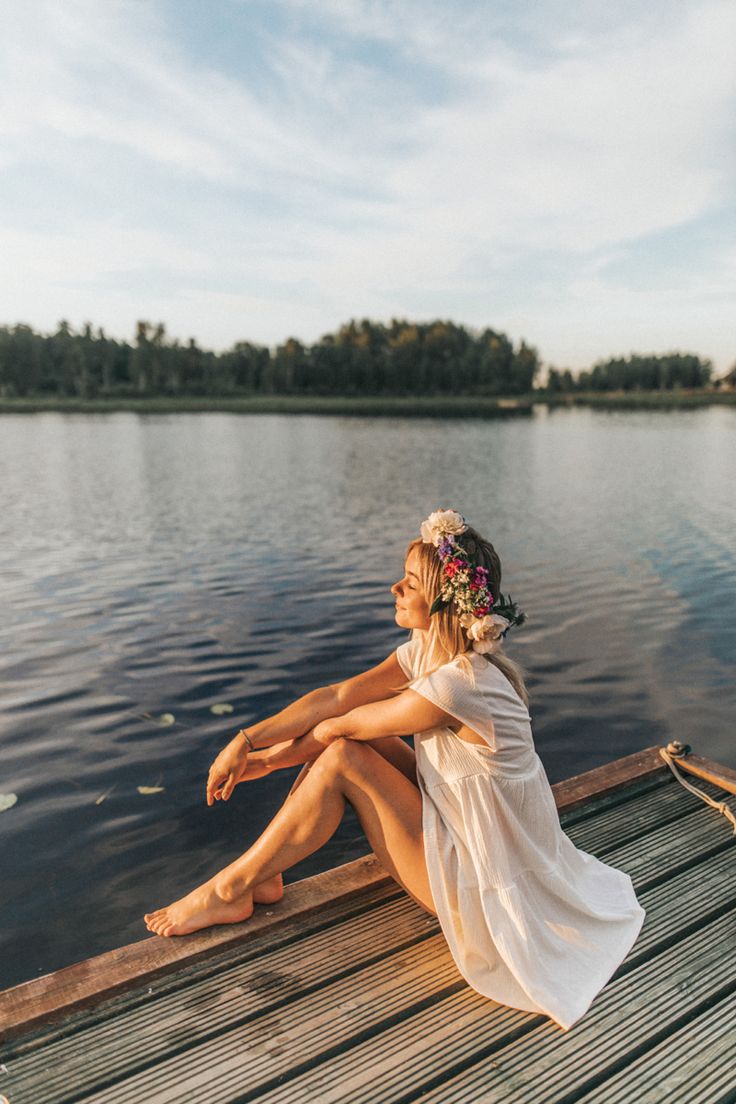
x=270 y=891
x=202 y=908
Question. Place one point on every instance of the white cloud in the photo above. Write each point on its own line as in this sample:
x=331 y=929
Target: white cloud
x=101 y=72
x=371 y=186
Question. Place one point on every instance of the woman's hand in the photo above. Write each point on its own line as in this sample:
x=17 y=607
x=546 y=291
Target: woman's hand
x=259 y=764
x=327 y=731
x=228 y=769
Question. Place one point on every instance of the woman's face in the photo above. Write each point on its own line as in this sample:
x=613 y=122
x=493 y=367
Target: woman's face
x=412 y=609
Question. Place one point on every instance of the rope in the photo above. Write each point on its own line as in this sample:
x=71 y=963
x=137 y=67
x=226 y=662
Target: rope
x=721 y=806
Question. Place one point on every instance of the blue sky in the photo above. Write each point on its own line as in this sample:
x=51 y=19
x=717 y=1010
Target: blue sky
x=561 y=171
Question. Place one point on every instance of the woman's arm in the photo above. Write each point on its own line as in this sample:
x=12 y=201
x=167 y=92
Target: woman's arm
x=328 y=701
x=307 y=748
x=289 y=753
x=402 y=715
x=294 y=724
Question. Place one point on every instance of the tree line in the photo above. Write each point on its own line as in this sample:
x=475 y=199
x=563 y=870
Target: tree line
x=361 y=358
x=635 y=373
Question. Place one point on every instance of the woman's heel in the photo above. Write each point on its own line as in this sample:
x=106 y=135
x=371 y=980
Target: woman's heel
x=269 y=892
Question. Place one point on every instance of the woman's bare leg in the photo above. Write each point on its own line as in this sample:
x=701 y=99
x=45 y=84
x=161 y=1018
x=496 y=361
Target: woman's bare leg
x=272 y=890
x=394 y=750
x=388 y=805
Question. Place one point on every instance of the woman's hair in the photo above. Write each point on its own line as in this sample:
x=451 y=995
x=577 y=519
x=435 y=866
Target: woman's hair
x=446 y=639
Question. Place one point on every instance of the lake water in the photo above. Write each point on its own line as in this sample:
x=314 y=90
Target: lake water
x=163 y=564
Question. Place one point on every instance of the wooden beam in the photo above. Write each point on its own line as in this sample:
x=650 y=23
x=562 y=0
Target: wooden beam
x=708 y=770
x=607 y=778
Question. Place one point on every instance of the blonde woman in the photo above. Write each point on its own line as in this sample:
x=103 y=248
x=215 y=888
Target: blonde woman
x=466 y=822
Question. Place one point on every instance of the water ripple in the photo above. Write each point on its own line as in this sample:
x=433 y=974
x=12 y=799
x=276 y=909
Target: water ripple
x=163 y=565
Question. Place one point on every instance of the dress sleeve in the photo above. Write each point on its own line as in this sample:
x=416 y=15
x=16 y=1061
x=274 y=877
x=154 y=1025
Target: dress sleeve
x=405 y=655
x=453 y=690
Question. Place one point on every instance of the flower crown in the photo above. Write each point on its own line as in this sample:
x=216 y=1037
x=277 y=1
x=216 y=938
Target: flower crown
x=485 y=620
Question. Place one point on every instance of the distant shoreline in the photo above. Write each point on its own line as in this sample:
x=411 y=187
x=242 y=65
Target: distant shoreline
x=455 y=406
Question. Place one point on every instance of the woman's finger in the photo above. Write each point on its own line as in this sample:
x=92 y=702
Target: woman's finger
x=213 y=787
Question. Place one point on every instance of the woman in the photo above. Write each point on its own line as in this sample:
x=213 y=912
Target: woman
x=466 y=823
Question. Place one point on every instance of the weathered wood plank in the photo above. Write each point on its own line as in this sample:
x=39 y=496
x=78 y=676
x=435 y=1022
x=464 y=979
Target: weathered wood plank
x=690 y=897
x=34 y=1002
x=628 y=820
x=638 y=787
x=285 y=1022
x=574 y=791
x=141 y=1035
x=695 y=896
x=137 y=1042
x=693 y=1065
x=538 y=1062
x=675 y=846
x=632 y=1014
x=260 y=982
x=191 y=974
x=267 y=1047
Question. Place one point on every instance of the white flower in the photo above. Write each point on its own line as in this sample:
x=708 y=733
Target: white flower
x=486 y=629
x=441 y=524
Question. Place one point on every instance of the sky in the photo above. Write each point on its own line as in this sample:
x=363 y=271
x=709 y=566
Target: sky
x=563 y=172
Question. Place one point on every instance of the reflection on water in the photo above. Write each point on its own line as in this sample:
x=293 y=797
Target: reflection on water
x=154 y=564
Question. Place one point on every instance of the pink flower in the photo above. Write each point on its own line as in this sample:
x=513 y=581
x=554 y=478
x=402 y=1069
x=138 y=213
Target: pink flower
x=453 y=566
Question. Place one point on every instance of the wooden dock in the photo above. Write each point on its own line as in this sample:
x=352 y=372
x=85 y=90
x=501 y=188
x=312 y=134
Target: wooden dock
x=345 y=990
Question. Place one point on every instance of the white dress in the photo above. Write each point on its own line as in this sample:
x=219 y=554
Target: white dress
x=531 y=920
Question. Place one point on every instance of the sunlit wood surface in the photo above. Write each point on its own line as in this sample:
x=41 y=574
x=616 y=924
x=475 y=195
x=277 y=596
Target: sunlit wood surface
x=345 y=990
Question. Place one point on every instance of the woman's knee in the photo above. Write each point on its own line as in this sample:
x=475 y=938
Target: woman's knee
x=341 y=755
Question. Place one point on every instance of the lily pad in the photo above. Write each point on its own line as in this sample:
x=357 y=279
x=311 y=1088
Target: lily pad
x=7 y=801
x=221 y=708
x=162 y=719
x=150 y=789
